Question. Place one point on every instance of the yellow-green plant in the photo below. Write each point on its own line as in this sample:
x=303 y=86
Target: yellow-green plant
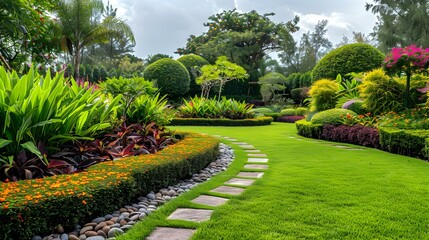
x=323 y=95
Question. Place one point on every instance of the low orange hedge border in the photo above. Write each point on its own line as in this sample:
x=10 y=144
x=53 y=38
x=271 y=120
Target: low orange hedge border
x=36 y=206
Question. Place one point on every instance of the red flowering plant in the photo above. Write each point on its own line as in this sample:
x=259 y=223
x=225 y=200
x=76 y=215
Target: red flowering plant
x=407 y=60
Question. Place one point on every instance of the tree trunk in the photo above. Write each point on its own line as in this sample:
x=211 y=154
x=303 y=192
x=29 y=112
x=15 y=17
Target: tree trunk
x=76 y=62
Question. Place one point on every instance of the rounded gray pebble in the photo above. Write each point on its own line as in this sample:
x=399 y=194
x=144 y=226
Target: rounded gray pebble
x=115 y=232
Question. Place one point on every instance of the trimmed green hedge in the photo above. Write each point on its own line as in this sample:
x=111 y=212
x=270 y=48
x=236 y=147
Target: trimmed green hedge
x=405 y=142
x=37 y=206
x=221 y=122
x=308 y=129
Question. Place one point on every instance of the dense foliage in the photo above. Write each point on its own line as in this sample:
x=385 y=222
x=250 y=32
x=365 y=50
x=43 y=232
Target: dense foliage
x=323 y=95
x=170 y=76
x=212 y=108
x=357 y=57
x=271 y=83
x=331 y=116
x=193 y=64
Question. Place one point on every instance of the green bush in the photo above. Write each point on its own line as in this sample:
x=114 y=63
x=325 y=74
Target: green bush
x=288 y=112
x=406 y=142
x=96 y=75
x=47 y=111
x=308 y=129
x=146 y=109
x=213 y=108
x=331 y=116
x=301 y=111
x=381 y=93
x=262 y=110
x=193 y=63
x=170 y=76
x=274 y=115
x=299 y=94
x=323 y=94
x=310 y=115
x=260 y=121
x=71 y=199
x=356 y=57
x=358 y=107
x=103 y=73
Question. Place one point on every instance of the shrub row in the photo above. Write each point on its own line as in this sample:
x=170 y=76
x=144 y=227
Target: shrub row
x=356 y=134
x=414 y=143
x=261 y=121
x=289 y=119
x=37 y=206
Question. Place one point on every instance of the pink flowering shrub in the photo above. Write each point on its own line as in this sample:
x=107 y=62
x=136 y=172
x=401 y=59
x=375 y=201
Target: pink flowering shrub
x=408 y=60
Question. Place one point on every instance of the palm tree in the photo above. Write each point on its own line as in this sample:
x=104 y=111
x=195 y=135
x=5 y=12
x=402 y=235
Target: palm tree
x=81 y=28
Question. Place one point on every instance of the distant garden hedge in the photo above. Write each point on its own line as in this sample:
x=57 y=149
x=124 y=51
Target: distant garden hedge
x=36 y=206
x=221 y=122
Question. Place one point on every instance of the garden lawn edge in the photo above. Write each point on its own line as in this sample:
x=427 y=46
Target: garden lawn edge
x=36 y=206
x=261 y=121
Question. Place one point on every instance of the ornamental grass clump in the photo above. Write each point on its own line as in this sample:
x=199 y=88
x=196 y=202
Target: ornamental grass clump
x=323 y=95
x=212 y=108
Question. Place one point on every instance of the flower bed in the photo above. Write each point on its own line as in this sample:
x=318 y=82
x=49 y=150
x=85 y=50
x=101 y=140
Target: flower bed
x=37 y=206
x=221 y=122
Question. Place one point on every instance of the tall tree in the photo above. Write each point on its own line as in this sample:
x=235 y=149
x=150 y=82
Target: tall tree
x=312 y=46
x=245 y=38
x=26 y=32
x=81 y=28
x=400 y=23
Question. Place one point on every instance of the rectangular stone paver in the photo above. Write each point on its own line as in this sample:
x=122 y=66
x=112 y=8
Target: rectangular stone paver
x=248 y=146
x=252 y=150
x=190 y=214
x=240 y=182
x=228 y=190
x=257 y=160
x=164 y=233
x=251 y=174
x=256 y=166
x=257 y=155
x=241 y=143
x=210 y=200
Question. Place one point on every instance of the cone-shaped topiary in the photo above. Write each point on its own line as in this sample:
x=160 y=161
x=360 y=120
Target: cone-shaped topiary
x=193 y=63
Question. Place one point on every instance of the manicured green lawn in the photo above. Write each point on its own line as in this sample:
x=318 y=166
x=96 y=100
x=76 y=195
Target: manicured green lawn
x=312 y=190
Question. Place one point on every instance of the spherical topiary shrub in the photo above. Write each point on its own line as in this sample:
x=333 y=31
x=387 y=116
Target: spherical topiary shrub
x=356 y=57
x=193 y=62
x=323 y=95
x=331 y=116
x=170 y=76
x=288 y=112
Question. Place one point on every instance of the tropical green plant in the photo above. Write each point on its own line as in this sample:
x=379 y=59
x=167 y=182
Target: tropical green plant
x=221 y=72
x=356 y=57
x=323 y=94
x=129 y=89
x=212 y=108
x=193 y=64
x=39 y=113
x=170 y=76
x=381 y=93
x=348 y=88
x=270 y=84
x=146 y=109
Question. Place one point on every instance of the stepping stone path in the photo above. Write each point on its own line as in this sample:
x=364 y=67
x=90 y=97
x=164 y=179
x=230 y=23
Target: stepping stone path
x=210 y=200
x=257 y=160
x=251 y=174
x=163 y=233
x=192 y=215
x=255 y=166
x=200 y=215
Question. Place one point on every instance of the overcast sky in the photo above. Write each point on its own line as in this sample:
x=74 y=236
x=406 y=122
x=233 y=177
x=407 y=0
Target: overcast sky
x=162 y=26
